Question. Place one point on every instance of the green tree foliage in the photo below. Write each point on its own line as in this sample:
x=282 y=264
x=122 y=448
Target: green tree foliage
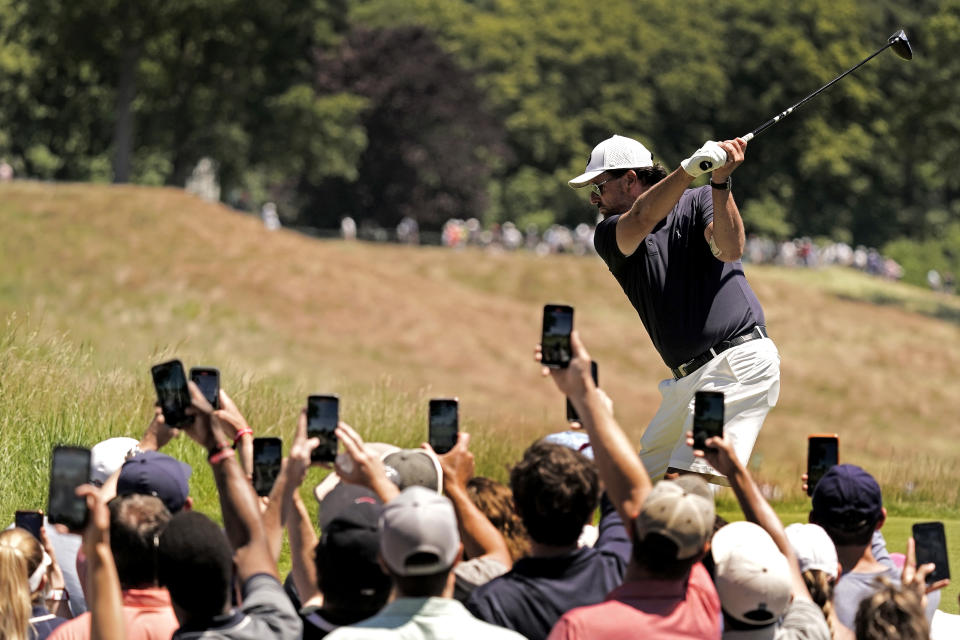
x=429 y=139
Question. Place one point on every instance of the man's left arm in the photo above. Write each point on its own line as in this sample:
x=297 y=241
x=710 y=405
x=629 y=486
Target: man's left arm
x=725 y=234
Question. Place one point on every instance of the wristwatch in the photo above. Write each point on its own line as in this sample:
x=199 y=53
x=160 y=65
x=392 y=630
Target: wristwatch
x=722 y=186
x=134 y=451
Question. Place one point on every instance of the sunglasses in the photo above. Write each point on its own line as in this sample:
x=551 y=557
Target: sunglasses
x=597 y=187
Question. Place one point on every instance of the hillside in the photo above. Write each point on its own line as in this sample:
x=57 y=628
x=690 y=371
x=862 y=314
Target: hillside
x=129 y=275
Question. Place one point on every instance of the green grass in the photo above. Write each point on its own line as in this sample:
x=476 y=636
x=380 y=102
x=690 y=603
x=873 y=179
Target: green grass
x=98 y=283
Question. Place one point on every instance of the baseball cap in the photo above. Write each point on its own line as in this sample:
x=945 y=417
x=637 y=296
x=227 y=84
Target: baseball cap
x=616 y=152
x=418 y=533
x=847 y=498
x=348 y=547
x=156 y=474
x=414 y=467
x=814 y=548
x=751 y=575
x=680 y=510
x=576 y=440
x=108 y=456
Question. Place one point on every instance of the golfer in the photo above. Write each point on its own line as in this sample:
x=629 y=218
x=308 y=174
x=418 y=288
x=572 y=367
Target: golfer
x=676 y=253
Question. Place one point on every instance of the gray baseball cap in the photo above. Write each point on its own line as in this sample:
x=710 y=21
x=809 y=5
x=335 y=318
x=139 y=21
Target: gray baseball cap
x=680 y=510
x=418 y=533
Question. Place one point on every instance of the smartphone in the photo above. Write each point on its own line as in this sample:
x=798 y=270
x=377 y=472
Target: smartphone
x=707 y=417
x=208 y=380
x=571 y=412
x=323 y=414
x=931 y=544
x=31 y=521
x=444 y=424
x=267 y=454
x=823 y=452
x=172 y=393
x=69 y=469
x=556 y=350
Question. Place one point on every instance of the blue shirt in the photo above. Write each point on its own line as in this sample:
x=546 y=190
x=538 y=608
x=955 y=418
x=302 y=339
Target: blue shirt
x=532 y=596
x=687 y=299
x=42 y=622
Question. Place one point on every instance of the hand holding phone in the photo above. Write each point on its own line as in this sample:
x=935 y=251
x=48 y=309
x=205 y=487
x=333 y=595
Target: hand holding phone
x=823 y=452
x=173 y=396
x=930 y=541
x=443 y=424
x=707 y=417
x=323 y=414
x=572 y=415
x=31 y=521
x=267 y=458
x=208 y=380
x=69 y=469
x=556 y=351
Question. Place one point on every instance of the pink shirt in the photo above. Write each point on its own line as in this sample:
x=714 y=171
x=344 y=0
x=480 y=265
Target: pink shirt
x=147 y=613
x=667 y=609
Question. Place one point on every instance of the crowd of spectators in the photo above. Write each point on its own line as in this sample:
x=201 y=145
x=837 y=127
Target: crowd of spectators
x=581 y=544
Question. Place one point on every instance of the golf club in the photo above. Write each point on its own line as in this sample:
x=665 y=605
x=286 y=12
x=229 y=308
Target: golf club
x=897 y=42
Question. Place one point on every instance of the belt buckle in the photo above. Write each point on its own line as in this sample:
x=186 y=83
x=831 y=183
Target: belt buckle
x=683 y=370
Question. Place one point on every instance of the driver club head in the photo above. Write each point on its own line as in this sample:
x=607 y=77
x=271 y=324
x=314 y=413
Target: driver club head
x=900 y=45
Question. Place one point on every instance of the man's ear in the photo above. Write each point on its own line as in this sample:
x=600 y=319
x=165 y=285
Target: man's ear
x=883 y=517
x=187 y=504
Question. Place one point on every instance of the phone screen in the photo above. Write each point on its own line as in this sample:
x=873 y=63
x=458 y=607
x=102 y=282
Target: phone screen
x=931 y=544
x=707 y=417
x=172 y=392
x=823 y=452
x=571 y=412
x=555 y=341
x=31 y=521
x=323 y=413
x=207 y=380
x=267 y=455
x=70 y=469
x=444 y=424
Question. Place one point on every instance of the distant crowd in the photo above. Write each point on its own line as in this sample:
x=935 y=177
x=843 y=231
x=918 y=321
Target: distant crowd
x=582 y=543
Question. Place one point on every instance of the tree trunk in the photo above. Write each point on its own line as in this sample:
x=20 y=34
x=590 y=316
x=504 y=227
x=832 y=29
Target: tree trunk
x=123 y=127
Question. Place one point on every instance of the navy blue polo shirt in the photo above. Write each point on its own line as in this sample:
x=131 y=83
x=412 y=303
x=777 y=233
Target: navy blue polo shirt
x=687 y=299
x=531 y=597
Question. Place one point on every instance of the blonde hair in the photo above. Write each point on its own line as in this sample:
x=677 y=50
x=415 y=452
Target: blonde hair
x=820 y=585
x=495 y=500
x=20 y=555
x=892 y=613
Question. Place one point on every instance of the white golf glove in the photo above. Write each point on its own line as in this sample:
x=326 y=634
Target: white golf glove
x=705 y=159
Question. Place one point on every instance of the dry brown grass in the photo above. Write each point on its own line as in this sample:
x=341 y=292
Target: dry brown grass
x=138 y=273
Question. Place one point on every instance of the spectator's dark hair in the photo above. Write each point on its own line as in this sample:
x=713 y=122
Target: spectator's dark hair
x=136 y=522
x=555 y=490
x=495 y=500
x=719 y=522
x=196 y=564
x=658 y=555
x=844 y=537
x=648 y=176
x=421 y=586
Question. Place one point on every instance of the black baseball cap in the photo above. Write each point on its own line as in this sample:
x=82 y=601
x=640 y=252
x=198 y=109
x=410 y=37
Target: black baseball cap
x=847 y=498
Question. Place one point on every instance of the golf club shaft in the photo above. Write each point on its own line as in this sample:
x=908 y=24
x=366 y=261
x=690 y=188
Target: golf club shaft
x=777 y=118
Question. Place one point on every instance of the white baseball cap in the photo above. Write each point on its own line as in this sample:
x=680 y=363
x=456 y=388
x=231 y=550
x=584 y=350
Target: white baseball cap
x=419 y=524
x=108 y=456
x=752 y=576
x=616 y=152
x=814 y=548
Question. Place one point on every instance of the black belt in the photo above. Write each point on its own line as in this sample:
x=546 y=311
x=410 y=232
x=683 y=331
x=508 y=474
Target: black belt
x=695 y=363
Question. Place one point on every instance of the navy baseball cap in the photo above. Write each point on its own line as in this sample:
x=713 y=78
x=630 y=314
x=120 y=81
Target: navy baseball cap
x=847 y=498
x=156 y=474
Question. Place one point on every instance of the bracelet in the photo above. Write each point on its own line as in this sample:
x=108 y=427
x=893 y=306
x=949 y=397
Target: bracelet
x=246 y=431
x=216 y=450
x=722 y=186
x=221 y=455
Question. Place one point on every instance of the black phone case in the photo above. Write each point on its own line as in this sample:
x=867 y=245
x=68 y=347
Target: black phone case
x=556 y=349
x=63 y=505
x=327 y=450
x=930 y=541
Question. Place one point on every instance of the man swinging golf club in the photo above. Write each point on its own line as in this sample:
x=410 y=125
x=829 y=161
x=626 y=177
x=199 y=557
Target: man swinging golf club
x=676 y=253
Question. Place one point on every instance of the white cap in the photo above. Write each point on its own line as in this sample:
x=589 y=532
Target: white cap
x=814 y=548
x=419 y=523
x=752 y=576
x=616 y=152
x=108 y=456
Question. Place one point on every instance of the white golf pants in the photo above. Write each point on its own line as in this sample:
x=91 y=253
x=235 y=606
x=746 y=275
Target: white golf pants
x=749 y=377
